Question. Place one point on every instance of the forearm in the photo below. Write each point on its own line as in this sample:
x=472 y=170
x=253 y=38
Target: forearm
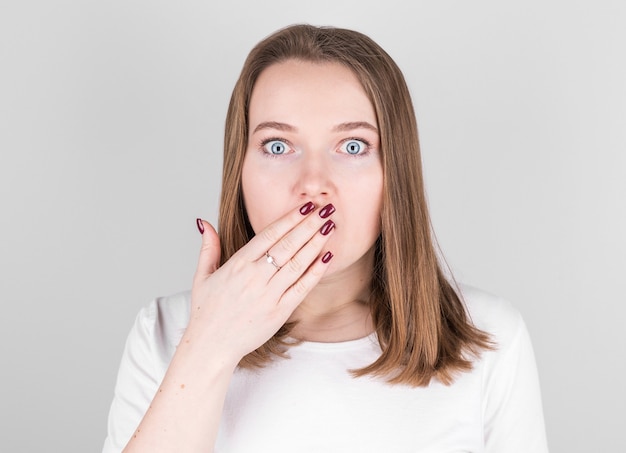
x=186 y=410
x=234 y=309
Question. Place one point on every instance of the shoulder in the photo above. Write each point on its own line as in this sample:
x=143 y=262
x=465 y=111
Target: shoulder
x=512 y=357
x=510 y=393
x=173 y=309
x=492 y=314
x=164 y=321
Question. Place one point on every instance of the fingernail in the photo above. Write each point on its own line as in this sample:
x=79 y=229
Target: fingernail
x=327 y=257
x=307 y=208
x=327 y=210
x=327 y=227
x=200 y=226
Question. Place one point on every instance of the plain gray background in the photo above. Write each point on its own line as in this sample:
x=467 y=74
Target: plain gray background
x=111 y=120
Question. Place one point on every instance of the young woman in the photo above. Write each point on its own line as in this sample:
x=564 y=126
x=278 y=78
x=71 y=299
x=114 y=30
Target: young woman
x=319 y=319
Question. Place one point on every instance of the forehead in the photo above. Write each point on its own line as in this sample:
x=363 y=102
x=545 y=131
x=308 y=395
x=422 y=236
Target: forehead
x=296 y=90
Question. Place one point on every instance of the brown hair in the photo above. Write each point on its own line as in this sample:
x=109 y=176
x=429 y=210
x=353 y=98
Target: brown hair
x=422 y=325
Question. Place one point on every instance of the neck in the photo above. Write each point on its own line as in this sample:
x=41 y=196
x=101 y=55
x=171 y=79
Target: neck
x=337 y=308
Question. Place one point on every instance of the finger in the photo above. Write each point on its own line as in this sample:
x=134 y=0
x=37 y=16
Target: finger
x=285 y=249
x=297 y=264
x=210 y=253
x=270 y=235
x=309 y=279
x=277 y=231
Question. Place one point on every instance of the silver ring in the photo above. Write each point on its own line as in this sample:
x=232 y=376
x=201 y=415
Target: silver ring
x=270 y=259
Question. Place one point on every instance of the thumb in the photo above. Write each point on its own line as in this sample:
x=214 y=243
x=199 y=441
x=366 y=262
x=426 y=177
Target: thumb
x=210 y=253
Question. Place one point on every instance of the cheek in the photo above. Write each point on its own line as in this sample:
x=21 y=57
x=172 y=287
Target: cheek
x=251 y=195
x=261 y=196
x=364 y=204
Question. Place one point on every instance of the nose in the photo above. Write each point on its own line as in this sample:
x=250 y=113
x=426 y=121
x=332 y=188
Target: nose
x=314 y=180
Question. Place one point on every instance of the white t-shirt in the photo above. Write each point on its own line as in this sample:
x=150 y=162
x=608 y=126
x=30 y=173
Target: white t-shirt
x=311 y=403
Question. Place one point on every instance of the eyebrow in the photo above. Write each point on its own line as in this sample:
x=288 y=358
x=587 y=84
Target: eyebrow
x=275 y=125
x=350 y=126
x=343 y=127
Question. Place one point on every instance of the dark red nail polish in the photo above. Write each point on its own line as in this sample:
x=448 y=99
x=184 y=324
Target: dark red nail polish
x=327 y=227
x=200 y=226
x=327 y=257
x=307 y=208
x=327 y=210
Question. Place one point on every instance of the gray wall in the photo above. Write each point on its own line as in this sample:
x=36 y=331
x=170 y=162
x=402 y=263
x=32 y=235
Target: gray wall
x=111 y=118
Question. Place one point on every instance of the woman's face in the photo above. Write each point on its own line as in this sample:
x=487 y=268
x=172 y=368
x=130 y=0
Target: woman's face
x=313 y=136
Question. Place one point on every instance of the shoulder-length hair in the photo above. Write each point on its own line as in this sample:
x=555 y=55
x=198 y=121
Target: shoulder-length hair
x=422 y=325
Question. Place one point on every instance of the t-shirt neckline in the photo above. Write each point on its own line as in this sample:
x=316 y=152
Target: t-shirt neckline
x=359 y=343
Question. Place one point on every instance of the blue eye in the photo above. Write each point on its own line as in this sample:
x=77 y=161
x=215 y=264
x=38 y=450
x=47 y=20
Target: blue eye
x=275 y=147
x=353 y=146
